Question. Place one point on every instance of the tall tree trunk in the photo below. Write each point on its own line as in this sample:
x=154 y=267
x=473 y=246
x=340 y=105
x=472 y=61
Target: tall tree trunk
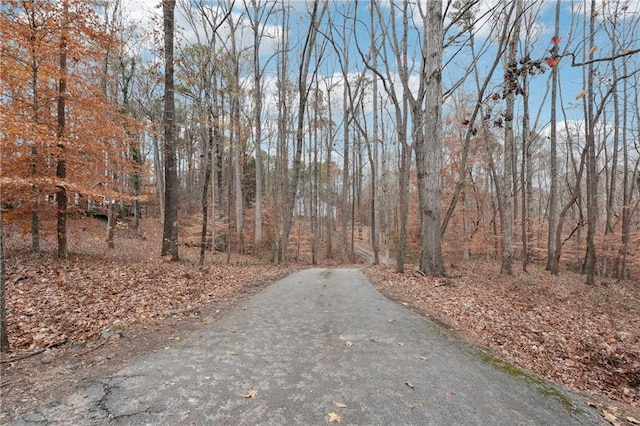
x=61 y=167
x=303 y=93
x=406 y=148
x=257 y=115
x=553 y=141
x=282 y=165
x=526 y=173
x=346 y=249
x=511 y=83
x=592 y=176
x=207 y=182
x=330 y=180
x=35 y=193
x=171 y=197
x=373 y=145
x=403 y=183
x=4 y=339
x=628 y=188
x=428 y=145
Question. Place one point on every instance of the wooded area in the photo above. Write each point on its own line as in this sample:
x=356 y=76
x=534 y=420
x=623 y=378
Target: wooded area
x=300 y=131
x=323 y=129
x=451 y=139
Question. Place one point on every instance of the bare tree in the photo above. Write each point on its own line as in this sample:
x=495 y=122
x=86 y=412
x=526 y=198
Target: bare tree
x=553 y=148
x=317 y=12
x=261 y=11
x=511 y=86
x=171 y=198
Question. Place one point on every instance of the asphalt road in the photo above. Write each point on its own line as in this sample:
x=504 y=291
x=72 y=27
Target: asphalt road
x=314 y=339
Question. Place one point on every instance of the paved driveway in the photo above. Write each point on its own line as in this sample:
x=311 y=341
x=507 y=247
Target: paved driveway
x=314 y=339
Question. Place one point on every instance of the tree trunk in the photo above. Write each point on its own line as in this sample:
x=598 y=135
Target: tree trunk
x=111 y=224
x=345 y=175
x=511 y=83
x=403 y=183
x=35 y=206
x=61 y=167
x=4 y=339
x=592 y=176
x=525 y=174
x=555 y=263
x=373 y=145
x=553 y=136
x=428 y=145
x=257 y=115
x=35 y=194
x=628 y=188
x=303 y=93
x=171 y=197
x=207 y=183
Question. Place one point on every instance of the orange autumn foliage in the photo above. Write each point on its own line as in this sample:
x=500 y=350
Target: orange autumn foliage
x=97 y=138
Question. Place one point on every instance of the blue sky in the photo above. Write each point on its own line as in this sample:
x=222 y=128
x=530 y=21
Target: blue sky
x=538 y=20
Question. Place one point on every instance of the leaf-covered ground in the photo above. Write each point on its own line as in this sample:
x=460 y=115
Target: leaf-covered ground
x=63 y=314
x=581 y=336
x=586 y=337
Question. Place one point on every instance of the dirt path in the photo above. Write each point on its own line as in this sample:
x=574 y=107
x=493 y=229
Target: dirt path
x=314 y=347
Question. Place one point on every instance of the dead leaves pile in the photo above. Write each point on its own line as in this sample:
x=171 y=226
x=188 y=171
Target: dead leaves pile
x=556 y=326
x=51 y=301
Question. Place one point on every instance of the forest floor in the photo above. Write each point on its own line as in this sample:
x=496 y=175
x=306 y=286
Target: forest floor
x=87 y=316
x=584 y=337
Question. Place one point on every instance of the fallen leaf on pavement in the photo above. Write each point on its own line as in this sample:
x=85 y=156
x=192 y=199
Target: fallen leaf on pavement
x=341 y=405
x=334 y=418
x=611 y=418
x=251 y=394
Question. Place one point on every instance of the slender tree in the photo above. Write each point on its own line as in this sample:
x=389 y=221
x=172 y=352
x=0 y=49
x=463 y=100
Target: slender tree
x=61 y=167
x=317 y=13
x=553 y=143
x=4 y=339
x=510 y=89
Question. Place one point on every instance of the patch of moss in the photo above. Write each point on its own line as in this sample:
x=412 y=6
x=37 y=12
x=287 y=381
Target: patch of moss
x=547 y=388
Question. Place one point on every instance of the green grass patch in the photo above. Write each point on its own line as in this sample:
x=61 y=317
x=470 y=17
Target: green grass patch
x=547 y=388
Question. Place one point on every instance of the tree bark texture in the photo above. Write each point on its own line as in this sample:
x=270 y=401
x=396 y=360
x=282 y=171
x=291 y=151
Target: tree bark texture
x=171 y=196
